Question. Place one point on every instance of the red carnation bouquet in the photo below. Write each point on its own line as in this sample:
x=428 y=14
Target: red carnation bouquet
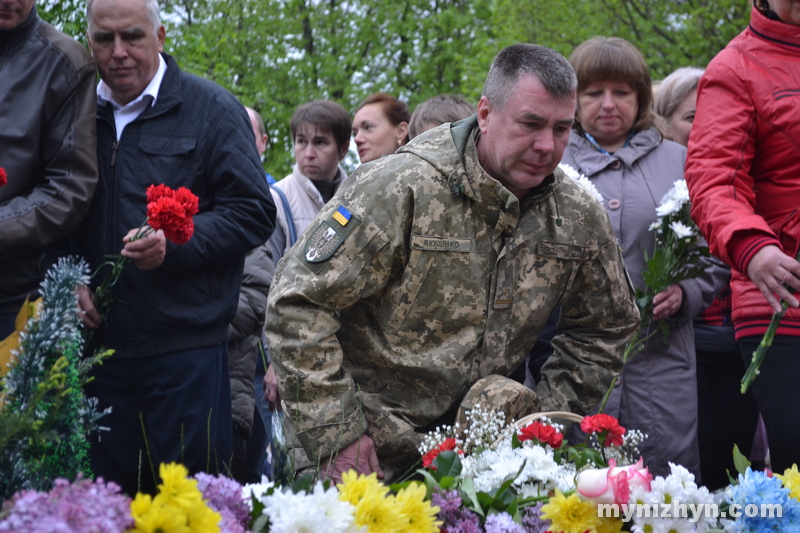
x=3 y=177
x=168 y=210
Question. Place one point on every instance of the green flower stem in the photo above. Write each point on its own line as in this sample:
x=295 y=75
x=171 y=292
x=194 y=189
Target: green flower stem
x=766 y=342
x=761 y=351
x=634 y=346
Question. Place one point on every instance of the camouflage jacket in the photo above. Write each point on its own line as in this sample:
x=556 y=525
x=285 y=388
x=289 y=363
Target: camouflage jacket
x=424 y=274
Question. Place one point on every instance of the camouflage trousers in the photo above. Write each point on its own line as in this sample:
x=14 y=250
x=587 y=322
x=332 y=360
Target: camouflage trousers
x=397 y=440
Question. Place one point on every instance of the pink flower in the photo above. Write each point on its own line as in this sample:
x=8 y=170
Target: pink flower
x=3 y=177
x=613 y=484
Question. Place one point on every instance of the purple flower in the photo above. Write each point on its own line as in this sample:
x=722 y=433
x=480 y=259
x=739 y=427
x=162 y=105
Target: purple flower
x=455 y=518
x=81 y=507
x=502 y=523
x=532 y=519
x=224 y=495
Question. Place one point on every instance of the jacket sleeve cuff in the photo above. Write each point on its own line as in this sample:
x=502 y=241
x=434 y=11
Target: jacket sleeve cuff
x=322 y=442
x=746 y=245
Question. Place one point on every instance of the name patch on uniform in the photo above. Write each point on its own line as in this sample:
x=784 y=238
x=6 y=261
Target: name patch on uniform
x=322 y=243
x=342 y=215
x=440 y=244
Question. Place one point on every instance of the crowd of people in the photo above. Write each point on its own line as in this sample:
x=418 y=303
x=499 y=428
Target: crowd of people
x=458 y=265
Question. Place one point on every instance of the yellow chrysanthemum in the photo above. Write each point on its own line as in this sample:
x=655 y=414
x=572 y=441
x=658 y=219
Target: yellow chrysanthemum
x=379 y=513
x=570 y=514
x=154 y=518
x=355 y=487
x=609 y=525
x=176 y=487
x=204 y=520
x=791 y=480
x=421 y=515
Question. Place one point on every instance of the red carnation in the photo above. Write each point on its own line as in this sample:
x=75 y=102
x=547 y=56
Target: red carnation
x=447 y=445
x=543 y=433
x=3 y=177
x=188 y=200
x=606 y=426
x=156 y=192
x=172 y=211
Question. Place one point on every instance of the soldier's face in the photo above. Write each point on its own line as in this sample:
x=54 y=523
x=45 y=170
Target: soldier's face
x=522 y=143
x=13 y=13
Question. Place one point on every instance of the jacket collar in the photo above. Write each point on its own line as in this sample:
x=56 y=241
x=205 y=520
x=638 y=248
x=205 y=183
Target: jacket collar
x=22 y=32
x=461 y=166
x=775 y=31
x=591 y=161
x=170 y=94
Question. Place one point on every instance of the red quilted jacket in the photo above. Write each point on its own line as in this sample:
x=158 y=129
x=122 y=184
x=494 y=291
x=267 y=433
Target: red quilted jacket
x=743 y=165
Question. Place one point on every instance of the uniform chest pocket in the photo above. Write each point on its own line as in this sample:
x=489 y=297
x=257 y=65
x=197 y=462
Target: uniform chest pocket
x=439 y=274
x=170 y=157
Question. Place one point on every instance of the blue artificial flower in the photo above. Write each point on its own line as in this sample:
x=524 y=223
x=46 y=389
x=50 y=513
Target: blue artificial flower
x=756 y=488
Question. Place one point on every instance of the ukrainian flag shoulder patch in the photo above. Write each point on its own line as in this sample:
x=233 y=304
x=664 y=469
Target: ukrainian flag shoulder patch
x=342 y=215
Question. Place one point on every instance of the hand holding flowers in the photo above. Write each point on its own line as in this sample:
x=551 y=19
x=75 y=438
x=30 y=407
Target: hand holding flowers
x=170 y=215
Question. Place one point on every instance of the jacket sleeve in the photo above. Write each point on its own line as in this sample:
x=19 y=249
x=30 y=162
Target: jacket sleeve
x=718 y=169
x=63 y=191
x=699 y=292
x=598 y=317
x=256 y=279
x=303 y=319
x=243 y=213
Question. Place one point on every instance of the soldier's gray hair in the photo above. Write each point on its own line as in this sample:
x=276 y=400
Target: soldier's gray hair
x=550 y=68
x=153 y=13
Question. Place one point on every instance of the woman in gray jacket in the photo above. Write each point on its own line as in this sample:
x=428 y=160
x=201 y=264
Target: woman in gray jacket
x=616 y=145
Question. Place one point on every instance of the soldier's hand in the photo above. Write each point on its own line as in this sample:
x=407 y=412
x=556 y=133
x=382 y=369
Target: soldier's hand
x=147 y=252
x=271 y=392
x=359 y=456
x=667 y=302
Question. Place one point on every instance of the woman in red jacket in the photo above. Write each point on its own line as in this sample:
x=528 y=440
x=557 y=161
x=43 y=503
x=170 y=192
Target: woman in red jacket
x=743 y=172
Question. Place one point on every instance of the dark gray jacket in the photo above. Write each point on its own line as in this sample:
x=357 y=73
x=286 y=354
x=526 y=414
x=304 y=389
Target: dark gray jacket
x=47 y=148
x=197 y=135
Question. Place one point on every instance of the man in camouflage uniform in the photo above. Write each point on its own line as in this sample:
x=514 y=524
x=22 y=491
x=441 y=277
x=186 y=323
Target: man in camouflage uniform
x=430 y=274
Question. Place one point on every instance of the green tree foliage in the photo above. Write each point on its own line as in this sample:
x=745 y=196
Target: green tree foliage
x=277 y=54
x=669 y=33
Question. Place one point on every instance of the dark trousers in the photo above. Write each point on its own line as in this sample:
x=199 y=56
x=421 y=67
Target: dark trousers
x=165 y=408
x=725 y=416
x=778 y=395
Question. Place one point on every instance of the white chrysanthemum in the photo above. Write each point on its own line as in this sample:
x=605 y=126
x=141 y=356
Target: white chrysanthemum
x=646 y=525
x=641 y=496
x=686 y=478
x=681 y=229
x=681 y=191
x=674 y=199
x=569 y=171
x=668 y=207
x=655 y=226
x=667 y=490
x=676 y=525
x=257 y=490
x=308 y=513
x=339 y=515
x=585 y=182
x=492 y=467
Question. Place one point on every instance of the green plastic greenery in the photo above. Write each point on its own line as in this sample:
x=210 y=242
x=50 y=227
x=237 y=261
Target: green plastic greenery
x=45 y=418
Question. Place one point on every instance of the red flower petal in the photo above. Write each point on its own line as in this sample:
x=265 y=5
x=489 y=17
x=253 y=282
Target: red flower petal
x=3 y=177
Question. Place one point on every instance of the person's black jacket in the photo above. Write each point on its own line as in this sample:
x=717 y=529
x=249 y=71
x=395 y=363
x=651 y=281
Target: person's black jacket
x=196 y=136
x=47 y=148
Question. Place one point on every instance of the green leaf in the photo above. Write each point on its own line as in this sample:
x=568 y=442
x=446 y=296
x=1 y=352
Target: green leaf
x=447 y=463
x=740 y=461
x=469 y=496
